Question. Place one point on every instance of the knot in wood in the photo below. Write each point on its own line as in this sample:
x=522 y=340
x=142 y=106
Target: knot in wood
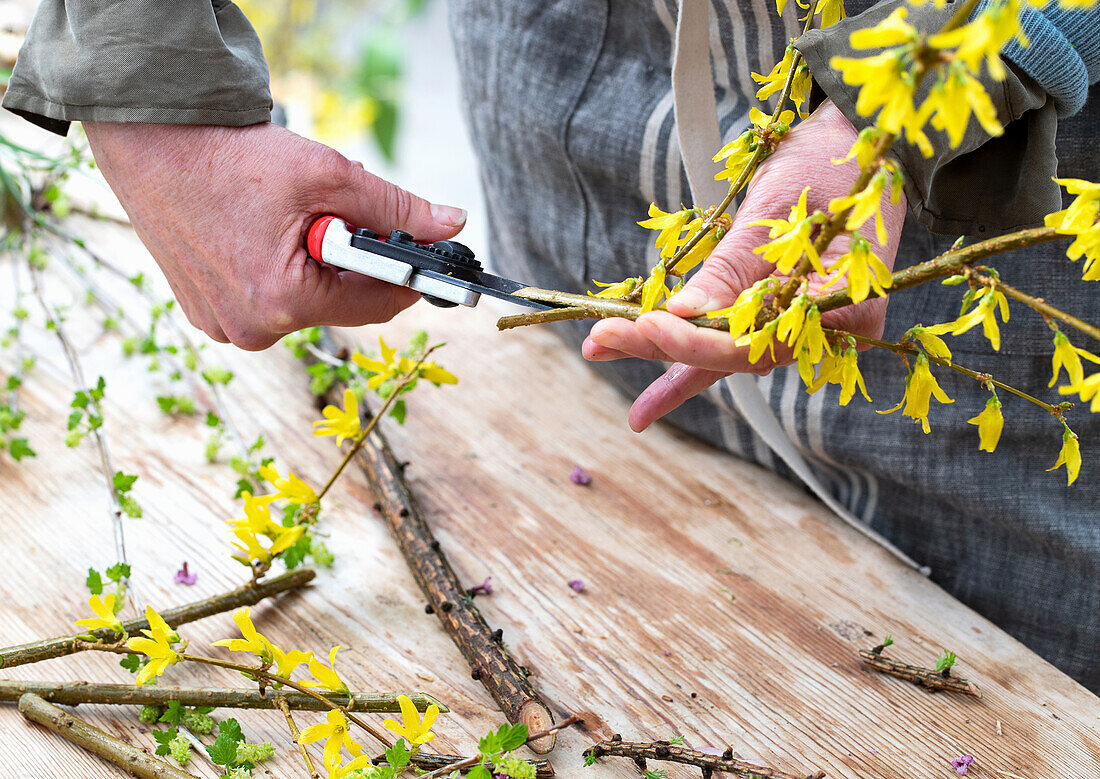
x=728 y=754
x=428 y=609
x=661 y=750
x=475 y=674
x=616 y=737
x=446 y=606
x=498 y=635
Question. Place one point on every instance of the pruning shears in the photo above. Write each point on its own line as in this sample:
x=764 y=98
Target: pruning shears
x=445 y=273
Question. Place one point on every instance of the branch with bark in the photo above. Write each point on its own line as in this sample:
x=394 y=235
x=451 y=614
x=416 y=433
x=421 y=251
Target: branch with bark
x=484 y=650
x=75 y=693
x=246 y=595
x=128 y=758
x=641 y=752
x=928 y=678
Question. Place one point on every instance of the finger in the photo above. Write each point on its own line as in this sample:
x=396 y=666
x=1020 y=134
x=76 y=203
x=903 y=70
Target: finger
x=730 y=268
x=622 y=335
x=365 y=200
x=699 y=346
x=325 y=295
x=592 y=351
x=679 y=383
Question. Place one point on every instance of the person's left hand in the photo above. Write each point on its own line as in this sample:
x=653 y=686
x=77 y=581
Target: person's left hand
x=702 y=356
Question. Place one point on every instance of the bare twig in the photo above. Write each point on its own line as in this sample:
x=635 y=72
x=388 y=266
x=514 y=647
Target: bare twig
x=1038 y=304
x=640 y=752
x=125 y=756
x=925 y=677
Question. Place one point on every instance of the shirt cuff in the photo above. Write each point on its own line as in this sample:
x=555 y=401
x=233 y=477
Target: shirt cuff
x=186 y=62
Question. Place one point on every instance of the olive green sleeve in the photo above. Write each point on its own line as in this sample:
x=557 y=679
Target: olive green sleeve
x=157 y=61
x=986 y=185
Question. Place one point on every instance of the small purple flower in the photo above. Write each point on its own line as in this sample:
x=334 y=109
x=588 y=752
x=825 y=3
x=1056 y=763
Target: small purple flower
x=482 y=589
x=580 y=476
x=183 y=576
x=961 y=763
x=576 y=584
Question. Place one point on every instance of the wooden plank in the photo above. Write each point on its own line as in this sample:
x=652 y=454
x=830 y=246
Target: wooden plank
x=722 y=604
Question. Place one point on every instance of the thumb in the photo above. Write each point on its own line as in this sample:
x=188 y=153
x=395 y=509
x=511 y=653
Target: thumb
x=365 y=200
x=730 y=268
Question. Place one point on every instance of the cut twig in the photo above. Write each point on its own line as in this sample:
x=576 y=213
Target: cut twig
x=447 y=763
x=483 y=648
x=925 y=677
x=296 y=734
x=541 y=735
x=128 y=758
x=246 y=595
x=640 y=752
x=75 y=693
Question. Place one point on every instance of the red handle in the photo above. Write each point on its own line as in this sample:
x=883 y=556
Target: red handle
x=316 y=235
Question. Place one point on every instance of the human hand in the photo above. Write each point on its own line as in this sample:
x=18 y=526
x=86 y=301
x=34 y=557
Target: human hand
x=225 y=210
x=701 y=356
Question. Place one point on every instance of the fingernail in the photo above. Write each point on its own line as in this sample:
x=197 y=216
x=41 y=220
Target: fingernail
x=690 y=297
x=448 y=216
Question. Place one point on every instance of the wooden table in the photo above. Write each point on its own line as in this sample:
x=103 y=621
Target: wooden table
x=721 y=603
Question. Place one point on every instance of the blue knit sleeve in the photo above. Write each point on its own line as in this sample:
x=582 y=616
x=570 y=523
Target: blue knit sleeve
x=1063 y=55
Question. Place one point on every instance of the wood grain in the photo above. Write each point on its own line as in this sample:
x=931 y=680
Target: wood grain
x=722 y=604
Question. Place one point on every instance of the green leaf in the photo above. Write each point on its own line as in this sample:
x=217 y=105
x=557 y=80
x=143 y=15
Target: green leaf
x=397 y=411
x=223 y=751
x=479 y=772
x=212 y=419
x=123 y=482
x=217 y=375
x=19 y=449
x=131 y=663
x=512 y=736
x=118 y=572
x=231 y=729
x=164 y=737
x=398 y=755
x=80 y=399
x=296 y=552
x=173 y=714
x=94 y=582
x=384 y=128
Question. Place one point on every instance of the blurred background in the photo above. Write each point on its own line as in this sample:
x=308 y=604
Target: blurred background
x=375 y=79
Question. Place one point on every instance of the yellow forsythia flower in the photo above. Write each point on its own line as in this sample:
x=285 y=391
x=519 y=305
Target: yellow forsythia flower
x=670 y=227
x=891 y=31
x=811 y=346
x=326 y=676
x=867 y=203
x=414 y=730
x=342 y=423
x=742 y=314
x=338 y=771
x=990 y=301
x=930 y=342
x=983 y=38
x=335 y=733
x=842 y=370
x=952 y=99
x=990 y=424
x=790 y=238
x=777 y=79
x=1080 y=220
x=156 y=645
x=1069 y=356
x=864 y=148
x=885 y=83
x=789 y=323
x=1087 y=388
x=618 y=290
x=736 y=154
x=1070 y=456
x=105 y=614
x=255 y=643
x=831 y=11
x=864 y=269
x=394 y=366
x=654 y=289
x=289 y=488
x=920 y=387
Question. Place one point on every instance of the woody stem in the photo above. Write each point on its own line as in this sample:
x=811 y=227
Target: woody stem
x=1036 y=303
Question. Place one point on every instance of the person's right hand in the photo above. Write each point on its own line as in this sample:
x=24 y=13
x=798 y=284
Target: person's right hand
x=225 y=210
